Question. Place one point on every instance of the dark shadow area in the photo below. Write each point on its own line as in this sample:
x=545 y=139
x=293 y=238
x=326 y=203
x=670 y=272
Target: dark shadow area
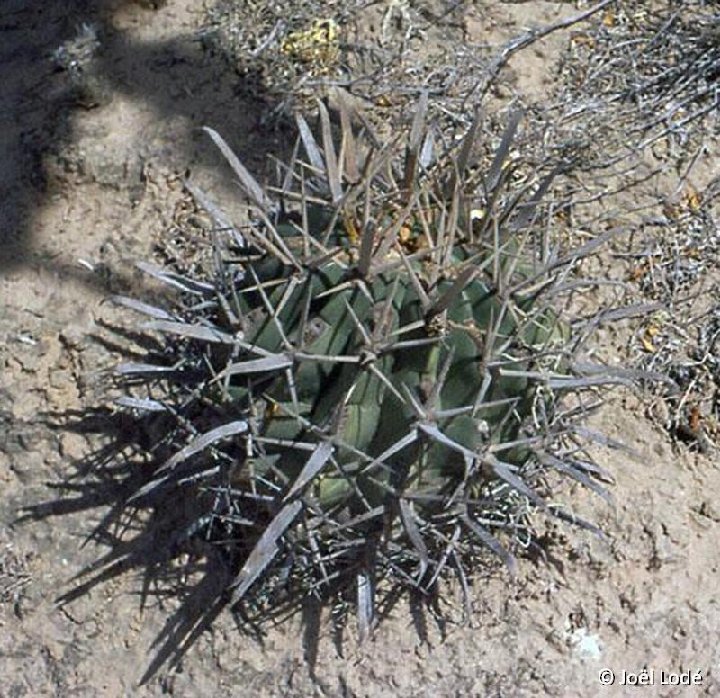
x=158 y=545
x=42 y=104
x=172 y=552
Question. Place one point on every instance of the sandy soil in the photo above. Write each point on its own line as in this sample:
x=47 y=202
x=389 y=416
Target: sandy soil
x=101 y=185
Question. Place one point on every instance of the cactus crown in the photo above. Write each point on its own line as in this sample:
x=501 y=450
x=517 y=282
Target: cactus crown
x=367 y=386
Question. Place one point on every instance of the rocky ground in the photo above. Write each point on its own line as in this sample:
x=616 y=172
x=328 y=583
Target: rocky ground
x=91 y=179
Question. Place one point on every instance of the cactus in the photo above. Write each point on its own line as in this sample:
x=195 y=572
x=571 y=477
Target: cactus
x=366 y=386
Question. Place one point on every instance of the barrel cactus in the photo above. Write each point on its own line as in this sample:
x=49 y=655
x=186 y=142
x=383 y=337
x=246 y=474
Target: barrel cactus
x=365 y=387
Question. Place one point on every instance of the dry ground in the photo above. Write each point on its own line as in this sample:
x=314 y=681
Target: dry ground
x=100 y=185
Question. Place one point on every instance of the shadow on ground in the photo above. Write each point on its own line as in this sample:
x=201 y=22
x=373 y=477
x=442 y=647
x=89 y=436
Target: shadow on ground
x=41 y=109
x=164 y=549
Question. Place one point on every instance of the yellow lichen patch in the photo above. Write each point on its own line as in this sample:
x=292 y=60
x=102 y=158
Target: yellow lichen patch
x=351 y=229
x=693 y=199
x=609 y=19
x=689 y=202
x=647 y=339
x=648 y=346
x=583 y=40
x=319 y=44
x=383 y=101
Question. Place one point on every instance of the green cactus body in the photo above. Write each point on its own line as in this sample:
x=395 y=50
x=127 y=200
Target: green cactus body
x=349 y=381
x=384 y=382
